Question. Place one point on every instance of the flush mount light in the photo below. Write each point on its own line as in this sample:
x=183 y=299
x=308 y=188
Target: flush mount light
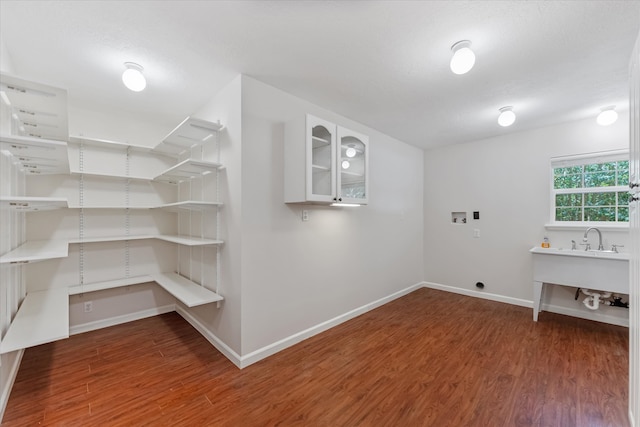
x=350 y=152
x=607 y=116
x=133 y=78
x=506 y=117
x=463 y=57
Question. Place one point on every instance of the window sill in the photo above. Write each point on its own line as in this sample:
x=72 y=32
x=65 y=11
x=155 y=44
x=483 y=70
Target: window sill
x=584 y=226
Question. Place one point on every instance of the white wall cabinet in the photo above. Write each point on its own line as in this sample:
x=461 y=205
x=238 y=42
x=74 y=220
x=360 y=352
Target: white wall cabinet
x=325 y=163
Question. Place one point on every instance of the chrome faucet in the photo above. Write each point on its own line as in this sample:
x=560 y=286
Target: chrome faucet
x=584 y=239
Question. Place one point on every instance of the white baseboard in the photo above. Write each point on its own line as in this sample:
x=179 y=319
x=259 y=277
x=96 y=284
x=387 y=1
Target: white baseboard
x=598 y=317
x=8 y=385
x=280 y=345
x=223 y=348
x=632 y=422
x=117 y=320
x=479 y=294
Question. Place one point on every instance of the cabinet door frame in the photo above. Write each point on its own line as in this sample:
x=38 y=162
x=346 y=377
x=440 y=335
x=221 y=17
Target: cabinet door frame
x=342 y=133
x=312 y=122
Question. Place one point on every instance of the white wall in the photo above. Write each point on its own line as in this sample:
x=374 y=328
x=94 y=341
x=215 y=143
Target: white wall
x=506 y=178
x=222 y=326
x=296 y=275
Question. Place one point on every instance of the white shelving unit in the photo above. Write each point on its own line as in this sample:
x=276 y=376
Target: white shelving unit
x=32 y=204
x=186 y=170
x=108 y=284
x=189 y=293
x=37 y=156
x=190 y=133
x=43 y=317
x=189 y=205
x=36 y=250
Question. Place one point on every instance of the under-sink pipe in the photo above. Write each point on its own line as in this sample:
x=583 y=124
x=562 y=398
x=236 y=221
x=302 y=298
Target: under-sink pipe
x=592 y=301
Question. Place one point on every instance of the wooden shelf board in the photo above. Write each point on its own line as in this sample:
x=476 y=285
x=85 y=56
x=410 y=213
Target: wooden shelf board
x=108 y=284
x=32 y=204
x=43 y=317
x=36 y=250
x=186 y=170
x=189 y=293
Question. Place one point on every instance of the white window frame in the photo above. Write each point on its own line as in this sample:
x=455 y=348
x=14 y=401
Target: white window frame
x=577 y=160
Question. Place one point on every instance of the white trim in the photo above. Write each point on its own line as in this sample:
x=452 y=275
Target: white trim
x=571 y=226
x=280 y=345
x=595 y=316
x=588 y=158
x=117 y=320
x=480 y=294
x=223 y=348
x=8 y=386
x=598 y=317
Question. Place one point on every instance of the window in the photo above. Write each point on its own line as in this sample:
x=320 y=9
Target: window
x=591 y=188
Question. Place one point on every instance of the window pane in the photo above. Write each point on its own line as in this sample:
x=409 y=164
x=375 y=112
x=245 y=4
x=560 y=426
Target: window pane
x=567 y=181
x=623 y=214
x=569 y=199
x=600 y=214
x=623 y=198
x=600 y=199
x=600 y=179
x=568 y=214
x=598 y=167
x=623 y=177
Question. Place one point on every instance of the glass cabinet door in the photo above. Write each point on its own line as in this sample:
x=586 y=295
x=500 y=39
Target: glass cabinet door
x=321 y=176
x=352 y=165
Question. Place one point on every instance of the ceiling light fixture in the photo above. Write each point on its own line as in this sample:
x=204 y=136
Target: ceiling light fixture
x=507 y=117
x=463 y=57
x=133 y=78
x=607 y=116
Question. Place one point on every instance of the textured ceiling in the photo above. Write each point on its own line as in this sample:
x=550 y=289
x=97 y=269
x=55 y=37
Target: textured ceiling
x=382 y=63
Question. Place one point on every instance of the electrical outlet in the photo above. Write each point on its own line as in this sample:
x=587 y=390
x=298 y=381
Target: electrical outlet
x=476 y=233
x=88 y=306
x=305 y=215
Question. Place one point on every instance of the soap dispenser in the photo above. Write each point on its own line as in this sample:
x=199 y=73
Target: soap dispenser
x=545 y=243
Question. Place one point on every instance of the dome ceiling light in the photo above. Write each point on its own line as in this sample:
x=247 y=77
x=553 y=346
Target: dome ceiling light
x=463 y=57
x=507 y=117
x=133 y=78
x=607 y=116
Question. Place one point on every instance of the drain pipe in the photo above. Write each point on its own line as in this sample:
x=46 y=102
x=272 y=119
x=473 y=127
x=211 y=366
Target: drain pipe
x=592 y=301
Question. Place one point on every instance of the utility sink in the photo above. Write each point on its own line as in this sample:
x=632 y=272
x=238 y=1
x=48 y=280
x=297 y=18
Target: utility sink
x=596 y=270
x=580 y=253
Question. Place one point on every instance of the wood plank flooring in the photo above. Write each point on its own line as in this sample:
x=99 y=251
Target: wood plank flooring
x=428 y=359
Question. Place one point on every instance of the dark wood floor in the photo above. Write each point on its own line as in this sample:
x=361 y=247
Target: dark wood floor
x=428 y=359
